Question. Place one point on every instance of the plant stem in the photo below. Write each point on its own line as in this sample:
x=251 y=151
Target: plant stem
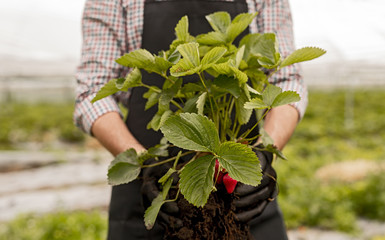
x=227 y=114
x=176 y=104
x=177 y=159
x=201 y=77
x=251 y=139
x=167 y=78
x=152 y=88
x=168 y=160
x=244 y=135
x=160 y=91
x=176 y=197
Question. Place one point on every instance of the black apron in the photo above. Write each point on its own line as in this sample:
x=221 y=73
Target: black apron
x=160 y=18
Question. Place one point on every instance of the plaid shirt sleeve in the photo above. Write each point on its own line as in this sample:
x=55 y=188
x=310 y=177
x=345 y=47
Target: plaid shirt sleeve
x=275 y=16
x=104 y=26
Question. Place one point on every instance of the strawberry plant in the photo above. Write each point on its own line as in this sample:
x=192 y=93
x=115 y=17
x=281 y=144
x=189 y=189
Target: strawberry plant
x=208 y=115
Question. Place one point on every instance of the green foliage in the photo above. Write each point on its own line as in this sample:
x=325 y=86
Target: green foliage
x=271 y=97
x=56 y=226
x=203 y=119
x=40 y=122
x=323 y=138
x=152 y=212
x=196 y=180
x=192 y=132
x=241 y=162
x=127 y=165
x=133 y=79
x=124 y=168
x=368 y=197
x=301 y=55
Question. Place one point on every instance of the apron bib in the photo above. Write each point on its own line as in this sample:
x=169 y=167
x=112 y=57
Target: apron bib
x=160 y=18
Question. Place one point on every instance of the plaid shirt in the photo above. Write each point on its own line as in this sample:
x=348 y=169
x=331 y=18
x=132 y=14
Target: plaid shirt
x=113 y=28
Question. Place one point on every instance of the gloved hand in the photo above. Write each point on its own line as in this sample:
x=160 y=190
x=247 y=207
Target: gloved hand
x=251 y=200
x=151 y=188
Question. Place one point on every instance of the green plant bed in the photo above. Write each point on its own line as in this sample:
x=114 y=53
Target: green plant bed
x=24 y=122
x=56 y=226
x=323 y=138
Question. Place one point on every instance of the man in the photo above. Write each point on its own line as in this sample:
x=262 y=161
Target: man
x=115 y=27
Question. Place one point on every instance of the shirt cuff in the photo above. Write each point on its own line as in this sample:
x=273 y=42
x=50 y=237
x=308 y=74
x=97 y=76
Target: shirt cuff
x=86 y=113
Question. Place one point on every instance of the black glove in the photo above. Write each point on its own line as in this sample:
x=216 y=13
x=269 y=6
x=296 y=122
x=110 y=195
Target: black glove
x=151 y=188
x=251 y=200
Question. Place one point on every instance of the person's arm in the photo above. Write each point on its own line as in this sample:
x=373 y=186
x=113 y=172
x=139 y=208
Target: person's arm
x=104 y=39
x=280 y=124
x=113 y=134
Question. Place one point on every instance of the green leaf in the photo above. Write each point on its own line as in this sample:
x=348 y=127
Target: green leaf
x=133 y=79
x=196 y=180
x=270 y=93
x=139 y=58
x=301 y=55
x=168 y=94
x=257 y=77
x=192 y=88
x=166 y=187
x=124 y=168
x=174 y=57
x=253 y=91
x=158 y=120
x=229 y=70
x=190 y=105
x=238 y=25
x=212 y=57
x=152 y=97
x=265 y=47
x=248 y=41
x=201 y=103
x=241 y=162
x=190 y=53
x=161 y=65
x=160 y=150
x=212 y=38
x=164 y=117
x=265 y=137
x=192 y=132
x=151 y=213
x=286 y=97
x=143 y=59
x=243 y=113
x=166 y=176
x=271 y=148
x=228 y=84
x=256 y=103
x=181 y=29
x=183 y=68
x=219 y=21
x=108 y=89
x=239 y=56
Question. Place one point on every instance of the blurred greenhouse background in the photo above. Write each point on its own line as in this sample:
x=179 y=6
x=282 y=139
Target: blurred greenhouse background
x=53 y=177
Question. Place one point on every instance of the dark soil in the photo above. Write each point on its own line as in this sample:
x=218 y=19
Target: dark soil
x=216 y=220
